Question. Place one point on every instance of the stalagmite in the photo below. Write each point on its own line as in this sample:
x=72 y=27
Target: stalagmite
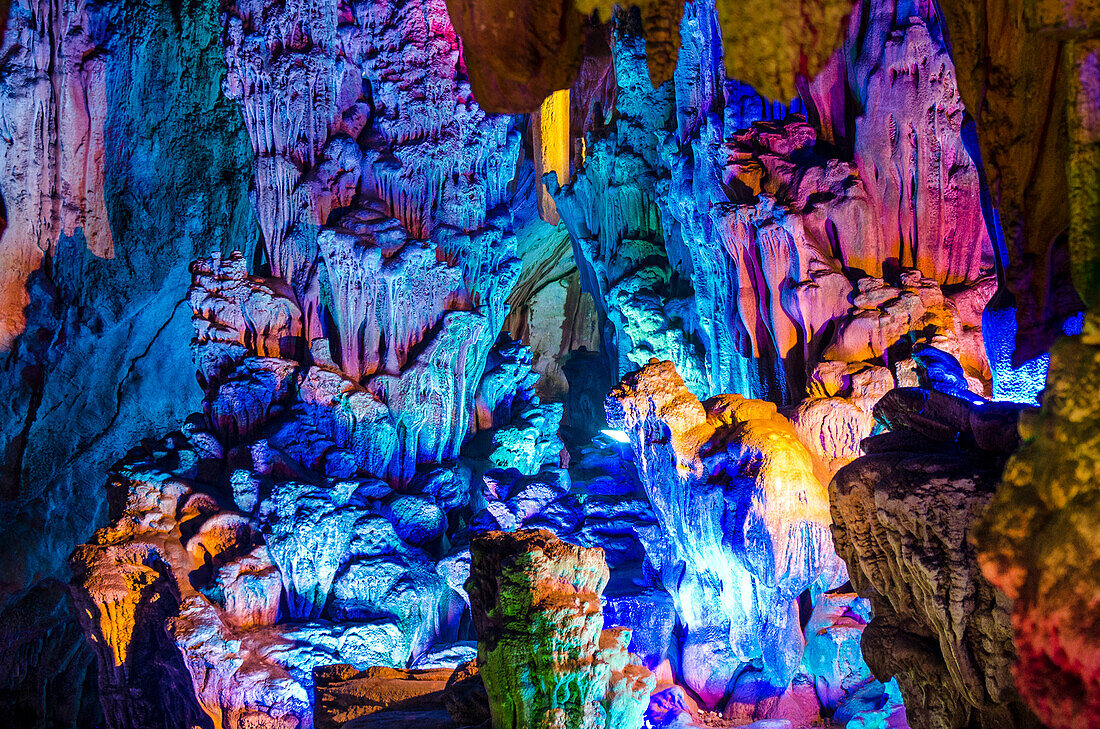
x=543 y=652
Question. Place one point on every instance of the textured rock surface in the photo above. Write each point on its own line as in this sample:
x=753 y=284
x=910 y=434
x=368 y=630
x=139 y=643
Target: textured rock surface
x=1037 y=540
x=842 y=680
x=694 y=199
x=543 y=653
x=902 y=519
x=523 y=55
x=359 y=415
x=910 y=141
x=611 y=212
x=415 y=254
x=1016 y=91
x=120 y=164
x=465 y=697
x=311 y=532
x=742 y=526
x=216 y=593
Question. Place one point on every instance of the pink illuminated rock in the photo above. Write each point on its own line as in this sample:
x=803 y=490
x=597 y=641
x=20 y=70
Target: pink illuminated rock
x=54 y=153
x=909 y=147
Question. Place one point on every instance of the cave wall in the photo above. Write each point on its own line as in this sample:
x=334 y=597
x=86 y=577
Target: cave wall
x=122 y=161
x=355 y=415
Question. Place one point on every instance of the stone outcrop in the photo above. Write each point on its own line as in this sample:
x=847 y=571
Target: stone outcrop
x=465 y=697
x=1036 y=539
x=903 y=517
x=909 y=135
x=1011 y=72
x=842 y=680
x=404 y=243
x=543 y=653
x=742 y=527
x=611 y=210
x=682 y=218
x=109 y=190
x=359 y=417
x=178 y=565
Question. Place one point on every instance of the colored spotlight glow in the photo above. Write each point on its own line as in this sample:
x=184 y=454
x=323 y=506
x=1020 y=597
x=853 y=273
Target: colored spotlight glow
x=618 y=436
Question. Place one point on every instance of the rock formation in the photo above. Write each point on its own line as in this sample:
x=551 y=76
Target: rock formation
x=344 y=694
x=843 y=681
x=121 y=163
x=402 y=355
x=683 y=219
x=1036 y=540
x=903 y=517
x=414 y=255
x=742 y=527
x=524 y=55
x=1017 y=94
x=612 y=214
x=543 y=653
x=323 y=401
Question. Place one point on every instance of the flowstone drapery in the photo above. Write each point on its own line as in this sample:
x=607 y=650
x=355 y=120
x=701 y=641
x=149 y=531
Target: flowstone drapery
x=297 y=522
x=742 y=527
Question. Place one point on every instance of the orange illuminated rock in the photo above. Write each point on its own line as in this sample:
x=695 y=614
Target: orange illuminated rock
x=743 y=528
x=344 y=694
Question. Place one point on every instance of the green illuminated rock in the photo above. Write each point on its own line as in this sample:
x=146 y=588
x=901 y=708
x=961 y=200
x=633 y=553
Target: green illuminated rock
x=542 y=652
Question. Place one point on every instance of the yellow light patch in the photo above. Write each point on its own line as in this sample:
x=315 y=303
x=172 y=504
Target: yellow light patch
x=551 y=129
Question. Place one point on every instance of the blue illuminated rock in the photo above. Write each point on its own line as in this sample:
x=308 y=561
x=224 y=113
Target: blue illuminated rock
x=611 y=209
x=844 y=684
x=649 y=613
x=309 y=533
x=742 y=524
